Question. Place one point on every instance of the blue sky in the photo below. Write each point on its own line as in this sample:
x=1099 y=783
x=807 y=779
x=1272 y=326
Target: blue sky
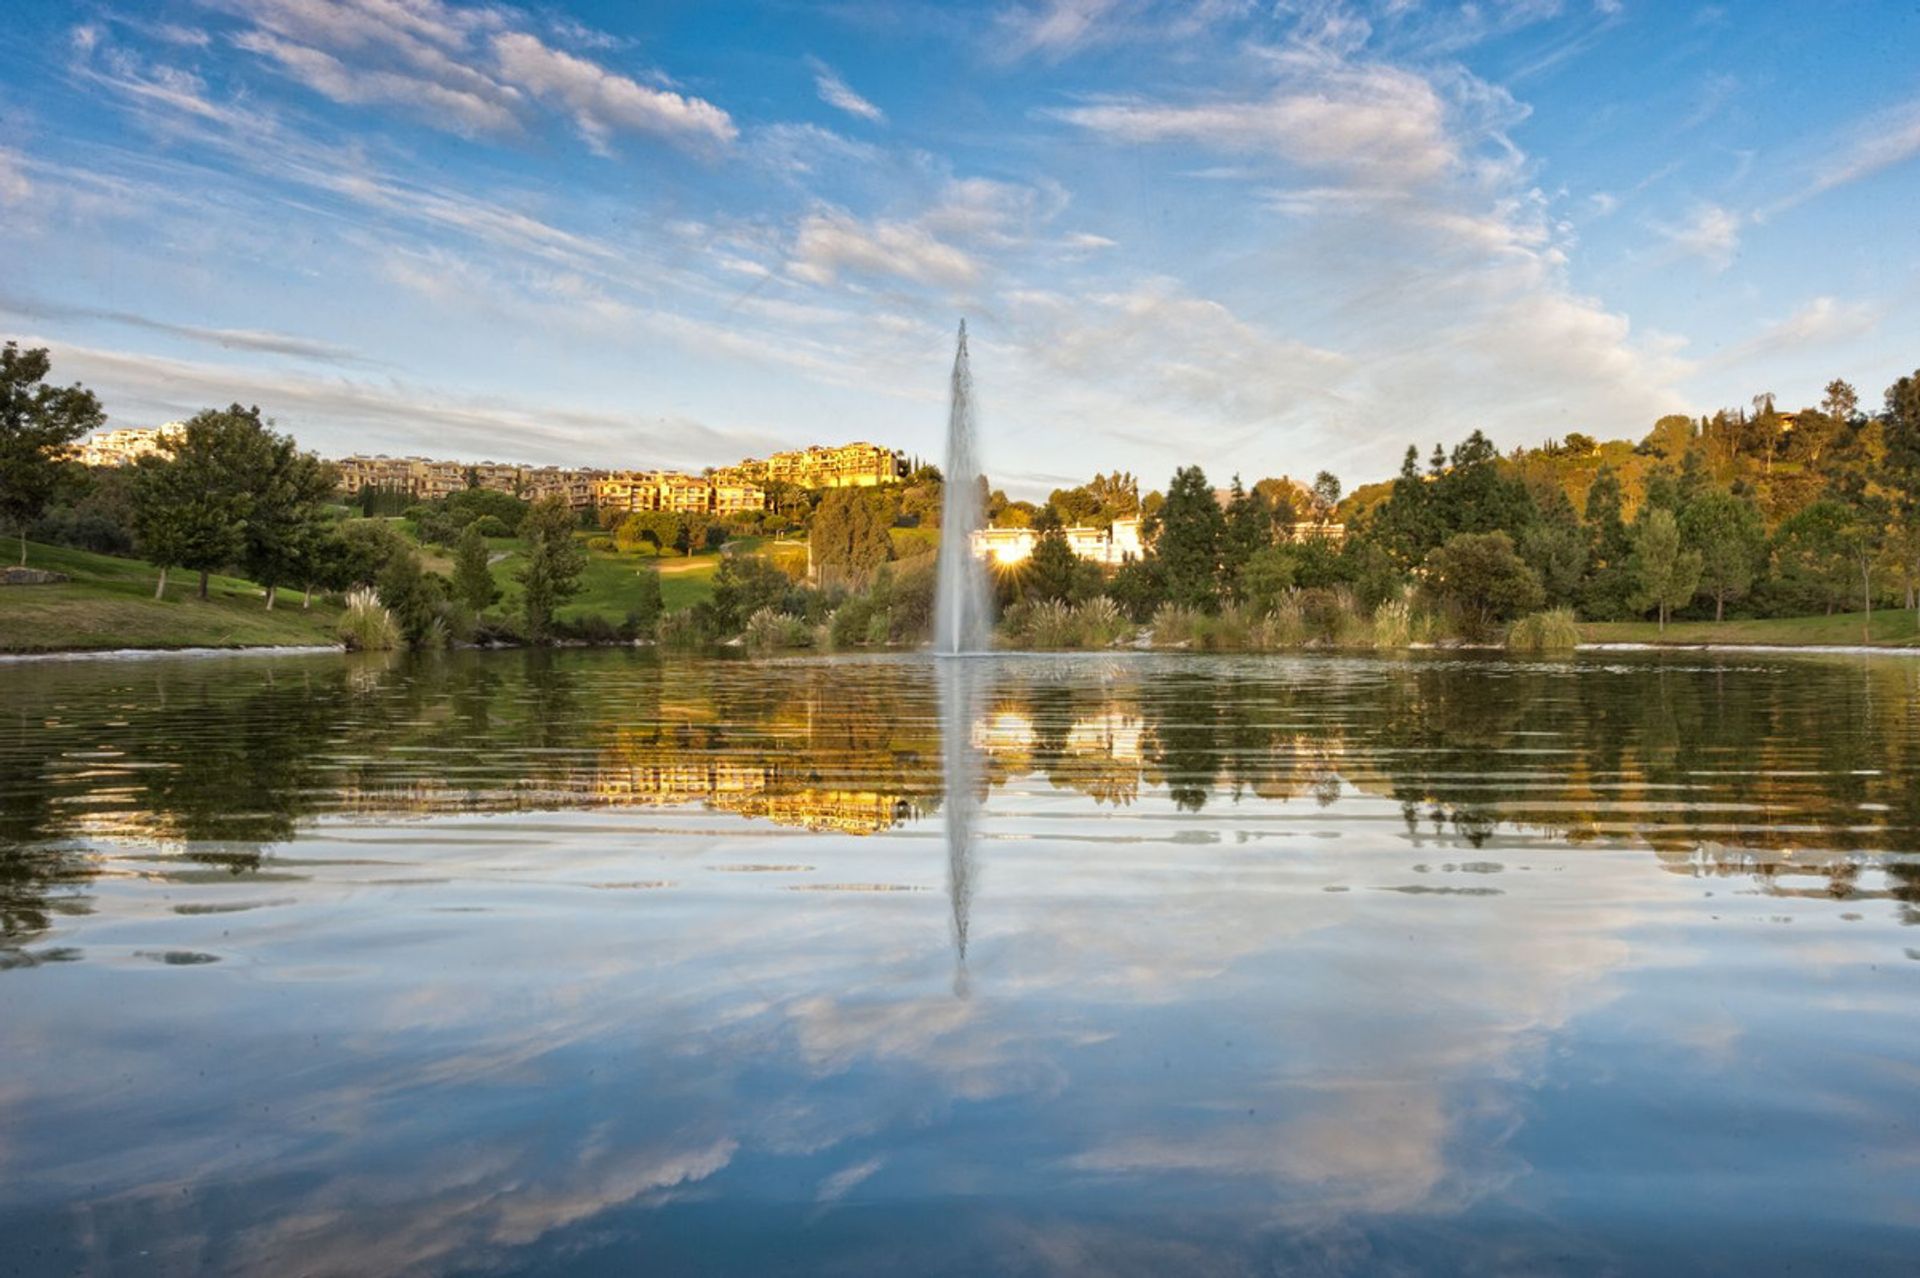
x=1267 y=238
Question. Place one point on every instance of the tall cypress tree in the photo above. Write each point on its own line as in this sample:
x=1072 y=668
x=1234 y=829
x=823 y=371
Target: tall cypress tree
x=1187 y=530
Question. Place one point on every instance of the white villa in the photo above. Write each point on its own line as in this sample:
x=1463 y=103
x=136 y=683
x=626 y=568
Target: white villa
x=1112 y=546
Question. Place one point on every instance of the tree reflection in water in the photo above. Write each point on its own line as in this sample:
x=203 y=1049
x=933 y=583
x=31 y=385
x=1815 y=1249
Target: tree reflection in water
x=1299 y=961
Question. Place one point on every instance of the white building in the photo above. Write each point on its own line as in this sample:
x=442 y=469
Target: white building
x=1109 y=546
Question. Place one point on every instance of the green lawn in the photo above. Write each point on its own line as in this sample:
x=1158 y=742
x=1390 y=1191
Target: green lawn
x=1892 y=628
x=110 y=604
x=611 y=583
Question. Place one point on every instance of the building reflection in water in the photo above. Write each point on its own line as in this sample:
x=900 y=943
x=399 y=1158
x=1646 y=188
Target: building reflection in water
x=1322 y=965
x=1796 y=775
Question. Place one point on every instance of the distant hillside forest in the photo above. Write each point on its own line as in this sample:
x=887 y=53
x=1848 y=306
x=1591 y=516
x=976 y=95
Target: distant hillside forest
x=1748 y=513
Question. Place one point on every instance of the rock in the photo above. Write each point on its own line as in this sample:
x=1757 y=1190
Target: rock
x=31 y=577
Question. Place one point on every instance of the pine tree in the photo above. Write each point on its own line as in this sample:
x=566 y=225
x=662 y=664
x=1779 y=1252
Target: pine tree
x=1050 y=570
x=1187 y=531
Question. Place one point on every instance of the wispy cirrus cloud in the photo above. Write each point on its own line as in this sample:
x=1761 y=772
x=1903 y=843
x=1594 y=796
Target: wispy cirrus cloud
x=1822 y=321
x=338 y=414
x=235 y=339
x=837 y=93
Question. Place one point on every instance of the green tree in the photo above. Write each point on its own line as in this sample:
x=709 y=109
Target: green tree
x=1326 y=494
x=1482 y=581
x=412 y=595
x=193 y=499
x=1665 y=575
x=1609 y=584
x=744 y=584
x=1266 y=578
x=1900 y=437
x=1249 y=527
x=1558 y=548
x=643 y=618
x=850 y=537
x=1727 y=532
x=633 y=532
x=1050 y=571
x=37 y=423
x=473 y=584
x=1187 y=530
x=1812 y=561
x=289 y=489
x=555 y=561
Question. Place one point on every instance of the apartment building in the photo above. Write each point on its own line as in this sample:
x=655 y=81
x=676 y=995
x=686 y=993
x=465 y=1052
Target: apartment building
x=856 y=465
x=426 y=479
x=124 y=446
x=679 y=493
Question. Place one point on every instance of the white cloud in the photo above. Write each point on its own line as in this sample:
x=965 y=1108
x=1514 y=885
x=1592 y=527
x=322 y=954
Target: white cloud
x=832 y=243
x=1882 y=142
x=1822 y=321
x=14 y=187
x=602 y=102
x=338 y=415
x=836 y=92
x=1051 y=28
x=465 y=69
x=241 y=339
x=461 y=109
x=1379 y=122
x=1159 y=343
x=1712 y=233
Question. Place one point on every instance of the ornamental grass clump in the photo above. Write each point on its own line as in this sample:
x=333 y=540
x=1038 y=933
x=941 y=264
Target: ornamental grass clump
x=770 y=628
x=1393 y=624
x=1099 y=623
x=1554 y=630
x=367 y=625
x=1176 y=626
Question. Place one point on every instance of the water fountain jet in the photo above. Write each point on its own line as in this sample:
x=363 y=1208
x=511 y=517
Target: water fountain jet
x=961 y=623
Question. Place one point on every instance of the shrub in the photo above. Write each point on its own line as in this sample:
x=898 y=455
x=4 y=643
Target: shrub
x=590 y=627
x=1554 y=630
x=366 y=625
x=491 y=526
x=769 y=628
x=602 y=544
x=688 y=628
x=849 y=623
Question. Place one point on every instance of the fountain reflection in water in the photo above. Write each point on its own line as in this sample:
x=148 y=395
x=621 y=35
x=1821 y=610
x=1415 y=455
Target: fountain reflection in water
x=960 y=755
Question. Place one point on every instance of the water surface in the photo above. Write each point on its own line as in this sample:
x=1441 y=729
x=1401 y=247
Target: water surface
x=597 y=962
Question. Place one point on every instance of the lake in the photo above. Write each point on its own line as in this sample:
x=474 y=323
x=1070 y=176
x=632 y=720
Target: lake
x=606 y=963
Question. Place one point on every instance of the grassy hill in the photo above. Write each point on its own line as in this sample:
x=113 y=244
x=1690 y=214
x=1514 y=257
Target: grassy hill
x=110 y=604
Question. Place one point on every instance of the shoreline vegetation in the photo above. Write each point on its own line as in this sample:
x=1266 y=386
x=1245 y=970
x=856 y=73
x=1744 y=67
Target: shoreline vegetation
x=1769 y=528
x=107 y=607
